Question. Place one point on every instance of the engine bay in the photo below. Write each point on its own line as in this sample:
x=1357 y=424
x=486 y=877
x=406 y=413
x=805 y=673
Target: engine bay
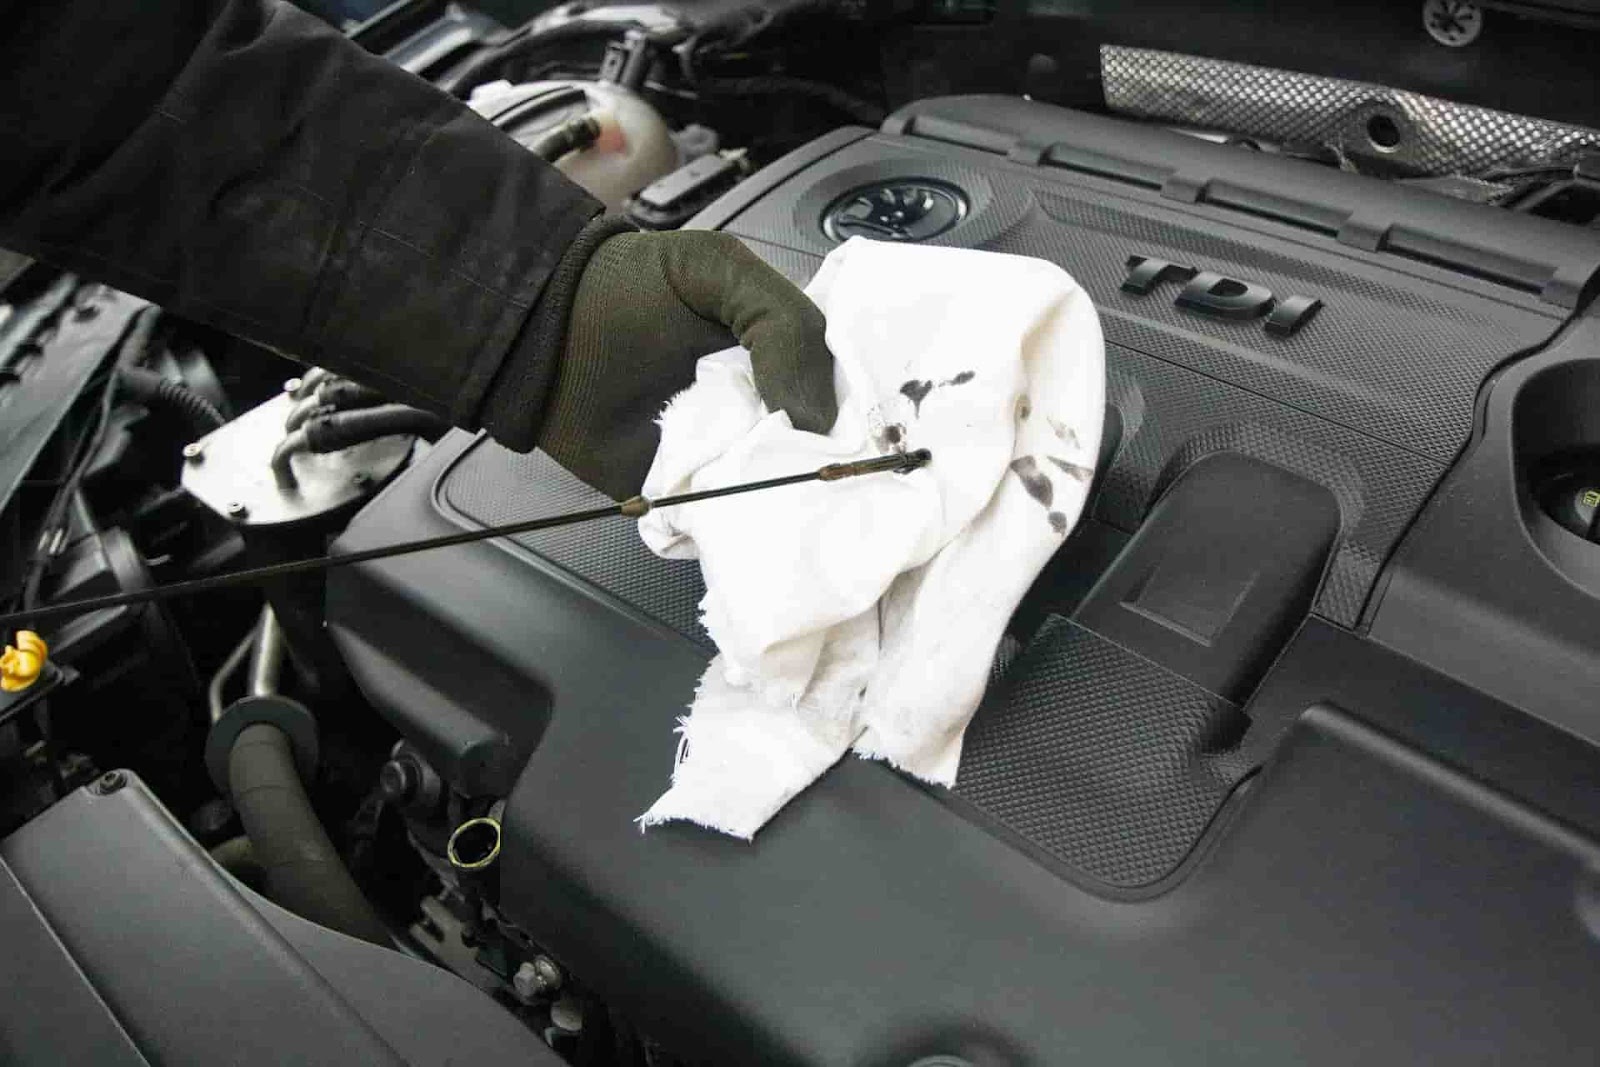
x=1289 y=754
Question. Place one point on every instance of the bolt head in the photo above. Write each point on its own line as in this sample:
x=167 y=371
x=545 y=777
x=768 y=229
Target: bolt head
x=397 y=781
x=194 y=451
x=537 y=977
x=548 y=974
x=110 y=782
x=293 y=385
x=237 y=509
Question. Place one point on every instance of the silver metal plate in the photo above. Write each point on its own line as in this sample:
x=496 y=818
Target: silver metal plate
x=231 y=471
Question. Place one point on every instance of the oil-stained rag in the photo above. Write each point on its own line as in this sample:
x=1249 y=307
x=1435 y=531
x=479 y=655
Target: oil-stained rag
x=865 y=614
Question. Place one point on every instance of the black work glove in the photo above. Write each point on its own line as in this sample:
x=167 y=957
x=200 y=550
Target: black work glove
x=644 y=308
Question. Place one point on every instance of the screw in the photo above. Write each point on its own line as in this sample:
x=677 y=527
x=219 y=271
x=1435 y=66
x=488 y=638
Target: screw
x=194 y=452
x=237 y=509
x=110 y=782
x=292 y=386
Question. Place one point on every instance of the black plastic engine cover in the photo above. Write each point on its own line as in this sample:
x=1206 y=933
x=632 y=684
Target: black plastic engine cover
x=1115 y=878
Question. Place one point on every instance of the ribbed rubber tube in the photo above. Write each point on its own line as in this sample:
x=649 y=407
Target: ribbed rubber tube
x=150 y=387
x=303 y=870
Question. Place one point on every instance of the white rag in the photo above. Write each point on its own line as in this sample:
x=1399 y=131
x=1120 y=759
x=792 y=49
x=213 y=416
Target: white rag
x=865 y=613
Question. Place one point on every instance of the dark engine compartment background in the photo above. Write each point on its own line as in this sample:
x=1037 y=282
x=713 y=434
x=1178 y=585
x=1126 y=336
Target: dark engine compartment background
x=1289 y=755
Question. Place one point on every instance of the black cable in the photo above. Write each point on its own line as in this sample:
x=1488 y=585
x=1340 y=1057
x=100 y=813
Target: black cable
x=634 y=508
x=50 y=531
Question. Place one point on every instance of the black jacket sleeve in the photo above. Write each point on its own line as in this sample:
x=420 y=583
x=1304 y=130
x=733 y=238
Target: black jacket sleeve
x=241 y=163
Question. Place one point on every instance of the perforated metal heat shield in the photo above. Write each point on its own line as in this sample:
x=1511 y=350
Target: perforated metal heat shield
x=1432 y=136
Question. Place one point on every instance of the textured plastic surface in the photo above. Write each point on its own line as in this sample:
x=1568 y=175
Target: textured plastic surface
x=905 y=923
x=1404 y=226
x=492 y=486
x=197 y=969
x=1103 y=759
x=1395 y=355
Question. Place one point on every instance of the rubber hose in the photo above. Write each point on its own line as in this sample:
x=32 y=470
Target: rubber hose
x=150 y=387
x=237 y=858
x=311 y=379
x=303 y=871
x=301 y=410
x=330 y=433
x=342 y=394
x=292 y=445
x=336 y=394
x=571 y=136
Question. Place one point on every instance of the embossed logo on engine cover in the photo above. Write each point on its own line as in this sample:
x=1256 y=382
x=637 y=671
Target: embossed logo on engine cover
x=1206 y=292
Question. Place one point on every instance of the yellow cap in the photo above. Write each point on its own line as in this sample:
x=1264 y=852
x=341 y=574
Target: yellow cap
x=21 y=664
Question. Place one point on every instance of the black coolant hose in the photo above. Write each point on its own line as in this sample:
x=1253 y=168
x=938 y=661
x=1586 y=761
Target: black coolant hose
x=334 y=394
x=149 y=387
x=304 y=872
x=569 y=137
x=342 y=394
x=331 y=431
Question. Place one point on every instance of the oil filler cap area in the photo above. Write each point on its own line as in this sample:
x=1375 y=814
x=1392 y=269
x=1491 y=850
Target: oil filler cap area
x=902 y=209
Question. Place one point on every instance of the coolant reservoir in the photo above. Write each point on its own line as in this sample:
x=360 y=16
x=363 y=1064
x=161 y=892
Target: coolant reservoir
x=635 y=147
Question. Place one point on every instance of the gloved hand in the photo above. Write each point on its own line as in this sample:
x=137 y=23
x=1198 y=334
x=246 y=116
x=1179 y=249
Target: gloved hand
x=646 y=307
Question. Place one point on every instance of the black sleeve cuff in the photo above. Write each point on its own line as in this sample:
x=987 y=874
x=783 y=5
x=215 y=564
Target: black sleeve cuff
x=514 y=406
